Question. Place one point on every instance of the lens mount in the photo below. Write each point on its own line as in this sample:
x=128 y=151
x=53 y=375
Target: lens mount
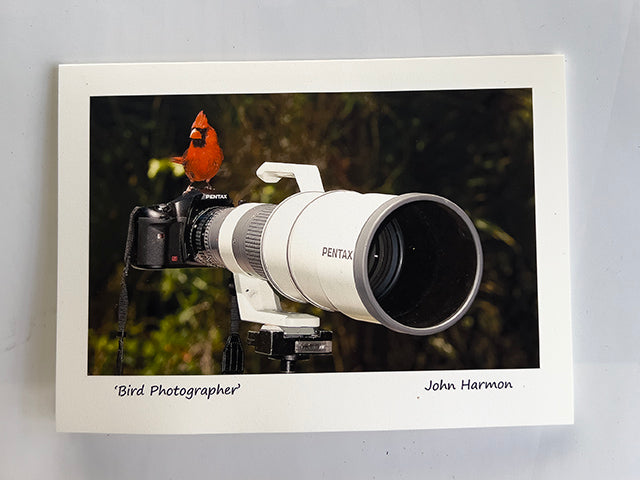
x=203 y=238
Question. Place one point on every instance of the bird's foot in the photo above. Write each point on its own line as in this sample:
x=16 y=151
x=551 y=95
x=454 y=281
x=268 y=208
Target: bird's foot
x=205 y=187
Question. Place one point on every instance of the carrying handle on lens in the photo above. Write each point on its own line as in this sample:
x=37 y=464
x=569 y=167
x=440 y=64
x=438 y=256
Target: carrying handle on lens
x=306 y=176
x=257 y=300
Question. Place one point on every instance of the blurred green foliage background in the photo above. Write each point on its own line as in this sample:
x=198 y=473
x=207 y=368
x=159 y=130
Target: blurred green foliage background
x=474 y=147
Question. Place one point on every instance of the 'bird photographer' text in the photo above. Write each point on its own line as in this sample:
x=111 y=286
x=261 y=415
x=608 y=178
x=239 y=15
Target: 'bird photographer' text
x=187 y=393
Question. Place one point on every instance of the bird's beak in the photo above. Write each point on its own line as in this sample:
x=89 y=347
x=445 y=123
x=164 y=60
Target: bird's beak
x=195 y=134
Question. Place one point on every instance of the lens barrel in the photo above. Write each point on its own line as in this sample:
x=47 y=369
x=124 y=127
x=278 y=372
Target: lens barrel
x=411 y=262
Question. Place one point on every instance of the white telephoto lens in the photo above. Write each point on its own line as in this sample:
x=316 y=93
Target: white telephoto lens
x=411 y=262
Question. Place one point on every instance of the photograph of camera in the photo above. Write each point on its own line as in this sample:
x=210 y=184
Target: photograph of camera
x=425 y=233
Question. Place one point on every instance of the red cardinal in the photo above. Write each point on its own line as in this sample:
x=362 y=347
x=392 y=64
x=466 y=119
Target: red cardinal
x=203 y=157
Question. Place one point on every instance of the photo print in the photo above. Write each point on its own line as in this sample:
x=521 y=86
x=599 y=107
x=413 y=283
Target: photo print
x=242 y=244
x=472 y=147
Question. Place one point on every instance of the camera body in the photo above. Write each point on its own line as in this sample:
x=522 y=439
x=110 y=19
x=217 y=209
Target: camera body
x=165 y=235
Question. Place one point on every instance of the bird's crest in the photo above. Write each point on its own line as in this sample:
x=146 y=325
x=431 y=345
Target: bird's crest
x=200 y=121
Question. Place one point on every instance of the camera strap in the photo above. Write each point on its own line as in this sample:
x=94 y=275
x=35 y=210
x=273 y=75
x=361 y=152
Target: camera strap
x=123 y=300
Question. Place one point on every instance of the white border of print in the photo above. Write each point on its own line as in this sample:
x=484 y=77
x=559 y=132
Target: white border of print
x=328 y=401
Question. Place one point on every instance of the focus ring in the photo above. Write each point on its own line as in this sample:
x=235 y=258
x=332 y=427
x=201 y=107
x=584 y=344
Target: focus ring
x=253 y=238
x=247 y=239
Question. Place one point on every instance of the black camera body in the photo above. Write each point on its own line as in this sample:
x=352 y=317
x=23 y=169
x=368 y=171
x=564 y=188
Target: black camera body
x=167 y=235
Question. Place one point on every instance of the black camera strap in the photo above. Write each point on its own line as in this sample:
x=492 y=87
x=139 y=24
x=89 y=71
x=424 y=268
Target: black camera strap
x=233 y=353
x=123 y=301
